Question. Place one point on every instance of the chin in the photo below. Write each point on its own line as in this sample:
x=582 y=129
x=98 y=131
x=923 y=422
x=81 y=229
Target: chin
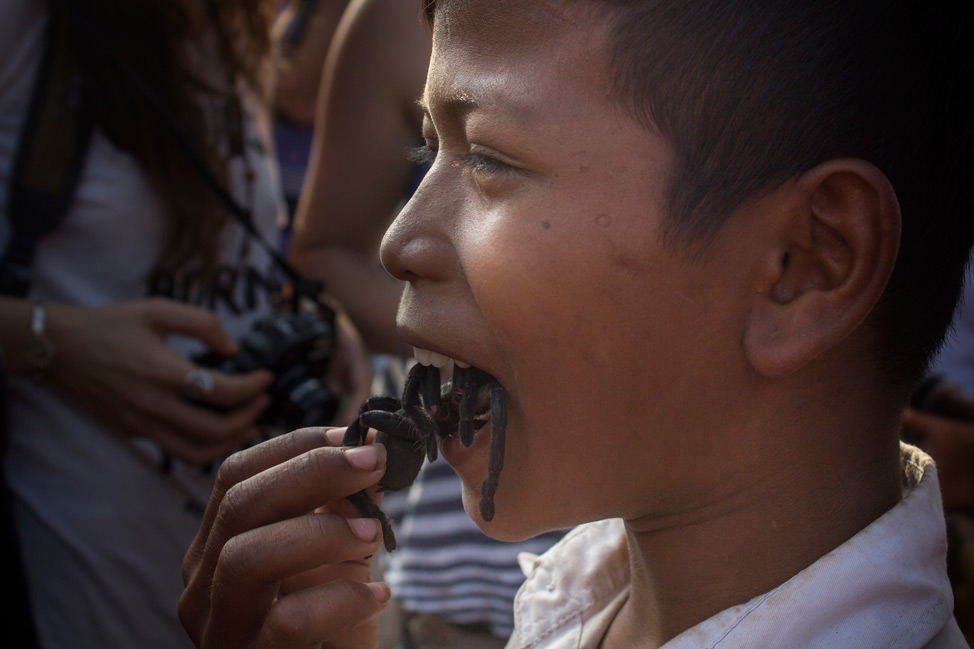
x=511 y=523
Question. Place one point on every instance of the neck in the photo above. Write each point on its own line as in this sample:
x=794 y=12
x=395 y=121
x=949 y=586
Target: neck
x=782 y=515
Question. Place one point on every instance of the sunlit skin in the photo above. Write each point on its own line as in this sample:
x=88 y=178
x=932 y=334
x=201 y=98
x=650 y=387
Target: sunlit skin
x=637 y=386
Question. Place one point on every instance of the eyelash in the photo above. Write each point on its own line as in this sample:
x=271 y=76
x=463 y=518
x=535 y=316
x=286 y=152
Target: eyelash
x=422 y=155
x=475 y=162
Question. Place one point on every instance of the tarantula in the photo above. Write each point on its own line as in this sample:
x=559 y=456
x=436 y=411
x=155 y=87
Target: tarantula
x=409 y=428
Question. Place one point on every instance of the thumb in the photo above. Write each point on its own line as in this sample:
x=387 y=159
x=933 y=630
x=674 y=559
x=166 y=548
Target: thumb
x=174 y=317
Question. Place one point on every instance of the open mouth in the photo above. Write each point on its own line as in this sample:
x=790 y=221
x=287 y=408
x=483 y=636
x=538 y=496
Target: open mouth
x=442 y=398
x=459 y=403
x=462 y=404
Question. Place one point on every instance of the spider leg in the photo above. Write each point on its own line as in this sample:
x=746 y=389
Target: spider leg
x=412 y=405
x=389 y=404
x=463 y=381
x=368 y=509
x=390 y=423
x=495 y=458
x=426 y=428
x=355 y=433
x=404 y=442
x=414 y=384
x=431 y=389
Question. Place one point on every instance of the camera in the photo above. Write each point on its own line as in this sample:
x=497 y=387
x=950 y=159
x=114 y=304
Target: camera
x=295 y=348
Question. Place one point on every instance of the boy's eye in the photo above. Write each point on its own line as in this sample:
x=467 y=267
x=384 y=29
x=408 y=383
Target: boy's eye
x=476 y=163
x=481 y=164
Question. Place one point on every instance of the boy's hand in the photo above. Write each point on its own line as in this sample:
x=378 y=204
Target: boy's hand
x=950 y=442
x=114 y=362
x=280 y=559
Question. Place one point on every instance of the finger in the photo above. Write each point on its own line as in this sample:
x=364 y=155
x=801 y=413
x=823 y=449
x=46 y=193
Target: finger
x=286 y=490
x=197 y=569
x=227 y=391
x=323 y=615
x=349 y=570
x=231 y=390
x=130 y=421
x=172 y=316
x=281 y=550
x=247 y=463
x=203 y=424
x=192 y=452
x=253 y=564
x=295 y=487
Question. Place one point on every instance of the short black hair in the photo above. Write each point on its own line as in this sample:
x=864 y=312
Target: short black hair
x=753 y=92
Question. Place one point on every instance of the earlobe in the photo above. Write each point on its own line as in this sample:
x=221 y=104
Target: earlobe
x=835 y=244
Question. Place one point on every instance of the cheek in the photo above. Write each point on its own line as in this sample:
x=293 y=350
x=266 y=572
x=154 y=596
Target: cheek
x=572 y=306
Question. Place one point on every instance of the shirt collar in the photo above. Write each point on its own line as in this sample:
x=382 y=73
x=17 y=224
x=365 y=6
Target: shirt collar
x=886 y=586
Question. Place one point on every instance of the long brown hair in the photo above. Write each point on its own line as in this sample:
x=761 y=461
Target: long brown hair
x=153 y=37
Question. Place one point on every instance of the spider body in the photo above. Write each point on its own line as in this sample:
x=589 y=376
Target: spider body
x=409 y=428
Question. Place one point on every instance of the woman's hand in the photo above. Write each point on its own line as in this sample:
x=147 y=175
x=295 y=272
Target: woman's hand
x=114 y=362
x=281 y=559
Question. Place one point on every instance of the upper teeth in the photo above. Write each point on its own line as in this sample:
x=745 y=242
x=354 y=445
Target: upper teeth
x=428 y=357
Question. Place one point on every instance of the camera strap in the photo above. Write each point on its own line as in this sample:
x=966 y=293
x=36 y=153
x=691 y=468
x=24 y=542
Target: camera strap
x=50 y=155
x=71 y=28
x=302 y=286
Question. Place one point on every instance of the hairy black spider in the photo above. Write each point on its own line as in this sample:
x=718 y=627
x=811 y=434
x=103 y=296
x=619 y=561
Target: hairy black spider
x=409 y=427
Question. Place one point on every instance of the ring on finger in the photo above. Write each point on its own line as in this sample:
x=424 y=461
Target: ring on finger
x=198 y=384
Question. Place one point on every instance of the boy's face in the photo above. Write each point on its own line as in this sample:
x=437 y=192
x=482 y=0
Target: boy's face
x=532 y=250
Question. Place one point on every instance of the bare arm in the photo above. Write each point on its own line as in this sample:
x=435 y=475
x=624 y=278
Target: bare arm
x=366 y=123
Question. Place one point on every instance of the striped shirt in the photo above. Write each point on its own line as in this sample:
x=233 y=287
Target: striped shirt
x=444 y=564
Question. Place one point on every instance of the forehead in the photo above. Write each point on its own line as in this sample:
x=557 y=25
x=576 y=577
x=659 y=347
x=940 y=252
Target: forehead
x=485 y=50
x=513 y=15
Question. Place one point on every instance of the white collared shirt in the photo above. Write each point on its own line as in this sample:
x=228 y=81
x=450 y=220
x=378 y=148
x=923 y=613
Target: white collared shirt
x=885 y=587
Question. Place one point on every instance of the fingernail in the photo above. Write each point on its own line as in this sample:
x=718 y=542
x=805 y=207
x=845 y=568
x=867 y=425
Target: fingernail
x=335 y=436
x=365 y=458
x=366 y=529
x=380 y=591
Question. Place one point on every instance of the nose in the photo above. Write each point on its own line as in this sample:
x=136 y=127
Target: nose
x=417 y=245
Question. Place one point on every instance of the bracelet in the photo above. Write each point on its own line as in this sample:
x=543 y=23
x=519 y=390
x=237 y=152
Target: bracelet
x=40 y=349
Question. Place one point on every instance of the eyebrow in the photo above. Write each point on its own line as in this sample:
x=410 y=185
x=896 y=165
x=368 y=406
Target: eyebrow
x=456 y=105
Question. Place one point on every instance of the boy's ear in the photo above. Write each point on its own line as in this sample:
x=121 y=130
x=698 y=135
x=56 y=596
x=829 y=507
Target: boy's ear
x=834 y=243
